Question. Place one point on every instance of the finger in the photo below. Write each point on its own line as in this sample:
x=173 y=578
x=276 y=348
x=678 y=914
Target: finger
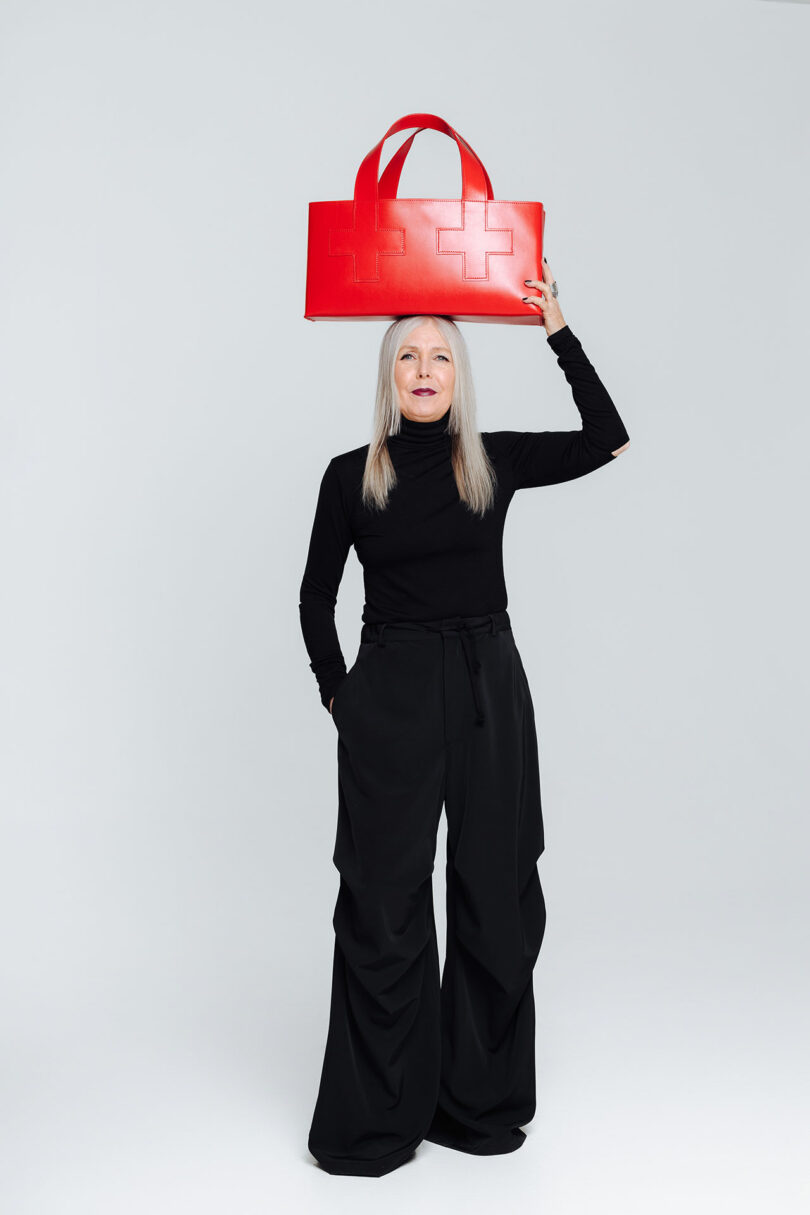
x=534 y=299
x=533 y=282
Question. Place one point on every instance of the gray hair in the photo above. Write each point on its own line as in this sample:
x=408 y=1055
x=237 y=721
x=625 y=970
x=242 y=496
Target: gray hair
x=473 y=471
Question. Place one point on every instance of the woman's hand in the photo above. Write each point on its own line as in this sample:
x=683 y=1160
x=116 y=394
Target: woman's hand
x=553 y=319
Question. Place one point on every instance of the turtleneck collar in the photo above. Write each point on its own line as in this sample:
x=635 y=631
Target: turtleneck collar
x=423 y=432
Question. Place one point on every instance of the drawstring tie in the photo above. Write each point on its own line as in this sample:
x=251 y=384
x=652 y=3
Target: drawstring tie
x=473 y=667
x=467 y=635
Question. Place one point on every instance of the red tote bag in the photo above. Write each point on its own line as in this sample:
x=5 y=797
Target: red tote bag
x=377 y=257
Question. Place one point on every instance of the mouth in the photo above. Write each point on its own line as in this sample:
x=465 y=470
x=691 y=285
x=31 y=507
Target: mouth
x=423 y=392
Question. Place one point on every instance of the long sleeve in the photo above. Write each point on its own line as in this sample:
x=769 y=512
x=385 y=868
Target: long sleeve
x=329 y=546
x=551 y=456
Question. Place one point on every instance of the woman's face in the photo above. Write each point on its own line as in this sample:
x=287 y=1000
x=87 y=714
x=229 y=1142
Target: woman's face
x=424 y=362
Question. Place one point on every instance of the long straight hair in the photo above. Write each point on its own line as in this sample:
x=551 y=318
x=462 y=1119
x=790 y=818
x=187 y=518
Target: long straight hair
x=475 y=477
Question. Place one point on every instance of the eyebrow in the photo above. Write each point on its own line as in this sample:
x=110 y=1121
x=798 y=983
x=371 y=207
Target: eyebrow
x=432 y=348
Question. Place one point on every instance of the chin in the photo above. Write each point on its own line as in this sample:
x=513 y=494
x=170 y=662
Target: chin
x=429 y=404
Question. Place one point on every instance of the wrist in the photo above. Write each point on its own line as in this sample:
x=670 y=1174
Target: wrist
x=555 y=328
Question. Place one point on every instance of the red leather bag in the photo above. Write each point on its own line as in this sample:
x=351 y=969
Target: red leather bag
x=377 y=257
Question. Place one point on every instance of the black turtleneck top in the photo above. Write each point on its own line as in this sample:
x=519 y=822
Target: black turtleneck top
x=427 y=555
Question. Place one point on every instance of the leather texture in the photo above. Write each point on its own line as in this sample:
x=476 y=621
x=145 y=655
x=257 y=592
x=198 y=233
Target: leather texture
x=377 y=257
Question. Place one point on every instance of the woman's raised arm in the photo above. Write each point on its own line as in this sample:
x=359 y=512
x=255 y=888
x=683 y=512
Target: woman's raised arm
x=550 y=456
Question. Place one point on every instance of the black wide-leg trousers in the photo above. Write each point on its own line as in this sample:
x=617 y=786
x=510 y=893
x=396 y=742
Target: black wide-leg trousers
x=432 y=714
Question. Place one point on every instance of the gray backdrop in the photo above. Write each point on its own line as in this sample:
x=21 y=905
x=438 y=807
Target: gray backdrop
x=168 y=772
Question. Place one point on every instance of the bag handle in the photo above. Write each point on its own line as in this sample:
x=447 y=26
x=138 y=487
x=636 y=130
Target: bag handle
x=389 y=182
x=475 y=183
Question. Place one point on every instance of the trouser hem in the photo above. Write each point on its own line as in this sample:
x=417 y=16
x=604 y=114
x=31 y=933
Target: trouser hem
x=344 y=1166
x=497 y=1146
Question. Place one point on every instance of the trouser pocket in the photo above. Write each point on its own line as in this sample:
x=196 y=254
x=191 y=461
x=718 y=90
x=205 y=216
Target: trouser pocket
x=344 y=688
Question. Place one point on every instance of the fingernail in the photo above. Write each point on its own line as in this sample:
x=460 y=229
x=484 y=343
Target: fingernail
x=545 y=259
x=527 y=281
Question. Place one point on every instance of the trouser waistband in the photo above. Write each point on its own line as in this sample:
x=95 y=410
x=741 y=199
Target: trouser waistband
x=467 y=628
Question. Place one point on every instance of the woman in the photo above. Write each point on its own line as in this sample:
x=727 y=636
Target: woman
x=436 y=711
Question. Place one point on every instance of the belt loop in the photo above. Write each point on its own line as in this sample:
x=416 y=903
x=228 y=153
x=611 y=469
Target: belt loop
x=380 y=634
x=492 y=623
